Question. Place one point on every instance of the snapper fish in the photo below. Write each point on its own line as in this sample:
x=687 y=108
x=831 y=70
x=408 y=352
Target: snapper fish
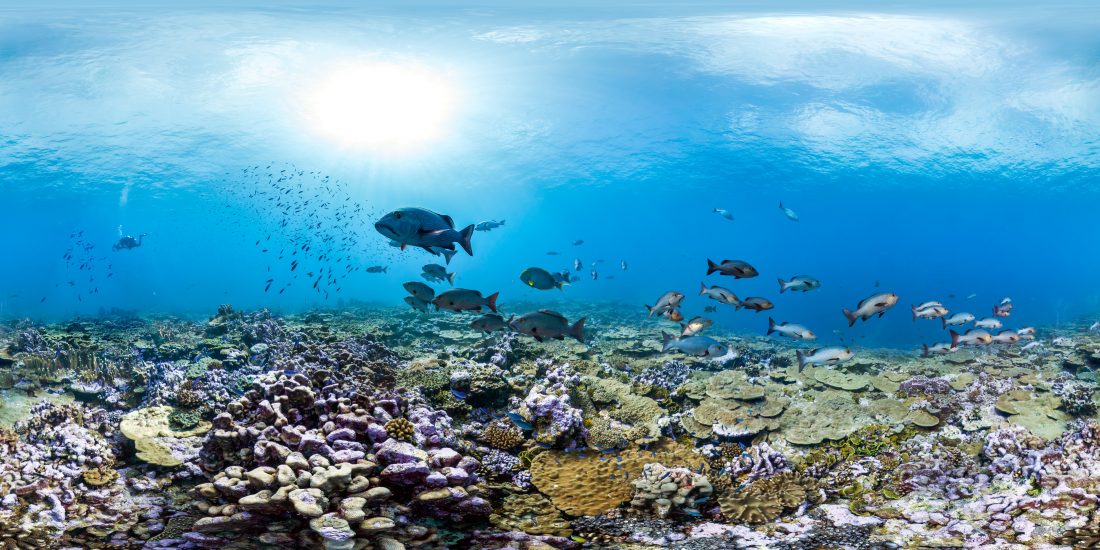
x=824 y=356
x=417 y=303
x=694 y=326
x=1003 y=309
x=876 y=304
x=699 y=346
x=673 y=315
x=801 y=283
x=490 y=322
x=489 y=225
x=1006 y=337
x=541 y=279
x=578 y=264
x=420 y=290
x=930 y=312
x=433 y=250
x=738 y=269
x=957 y=319
x=548 y=324
x=461 y=299
x=377 y=269
x=424 y=228
x=972 y=337
x=724 y=213
x=1031 y=345
x=1026 y=333
x=438 y=274
x=988 y=323
x=719 y=294
x=937 y=349
x=668 y=301
x=755 y=303
x=926 y=305
x=788 y=212
x=1095 y=327
x=797 y=332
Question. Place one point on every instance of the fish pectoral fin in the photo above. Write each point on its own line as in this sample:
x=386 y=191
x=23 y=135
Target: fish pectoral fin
x=424 y=232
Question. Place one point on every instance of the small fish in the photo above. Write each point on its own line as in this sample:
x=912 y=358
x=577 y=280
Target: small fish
x=420 y=290
x=801 y=283
x=699 y=346
x=1095 y=327
x=719 y=294
x=693 y=513
x=876 y=304
x=797 y=332
x=1026 y=333
x=788 y=212
x=377 y=269
x=438 y=273
x=490 y=322
x=724 y=213
x=701 y=500
x=1003 y=309
x=461 y=299
x=971 y=296
x=547 y=324
x=460 y=395
x=972 y=337
x=1006 y=337
x=957 y=319
x=667 y=301
x=553 y=253
x=988 y=323
x=622 y=264
x=694 y=326
x=541 y=279
x=826 y=356
x=520 y=422
x=936 y=349
x=1031 y=346
x=488 y=225
x=710 y=309
x=595 y=275
x=578 y=242
x=927 y=305
x=738 y=269
x=755 y=303
x=930 y=312
x=578 y=264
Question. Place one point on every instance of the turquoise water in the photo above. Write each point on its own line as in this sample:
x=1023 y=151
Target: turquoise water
x=932 y=152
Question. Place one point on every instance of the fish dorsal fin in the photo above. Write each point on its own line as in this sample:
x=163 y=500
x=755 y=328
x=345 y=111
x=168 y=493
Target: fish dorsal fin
x=448 y=219
x=552 y=313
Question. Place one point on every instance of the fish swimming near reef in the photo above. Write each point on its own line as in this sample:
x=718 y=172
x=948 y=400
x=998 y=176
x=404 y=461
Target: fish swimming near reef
x=699 y=346
x=710 y=309
x=1006 y=337
x=824 y=356
x=578 y=264
x=801 y=283
x=936 y=349
x=972 y=337
x=490 y=322
x=1095 y=327
x=1003 y=309
x=928 y=304
x=563 y=277
x=797 y=332
x=738 y=269
x=548 y=324
x=876 y=304
x=461 y=299
x=930 y=312
x=438 y=273
x=724 y=213
x=541 y=279
x=788 y=212
x=957 y=319
x=673 y=315
x=420 y=290
x=433 y=250
x=377 y=269
x=668 y=301
x=988 y=323
x=694 y=326
x=424 y=228
x=1026 y=333
x=755 y=303
x=719 y=294
x=417 y=303
x=489 y=225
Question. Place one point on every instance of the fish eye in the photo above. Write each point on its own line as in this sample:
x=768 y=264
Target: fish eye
x=397 y=215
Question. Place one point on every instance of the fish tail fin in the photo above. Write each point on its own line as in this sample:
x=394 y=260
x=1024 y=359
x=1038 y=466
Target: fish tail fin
x=385 y=269
x=925 y=346
x=666 y=341
x=451 y=278
x=711 y=266
x=851 y=317
x=466 y=235
x=782 y=285
x=801 y=359
x=650 y=310
x=954 y=339
x=577 y=330
x=492 y=301
x=914 y=308
x=944 y=321
x=771 y=325
x=781 y=205
x=448 y=254
x=702 y=288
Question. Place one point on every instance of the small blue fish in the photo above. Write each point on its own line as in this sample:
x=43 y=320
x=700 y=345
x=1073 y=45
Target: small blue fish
x=543 y=445
x=607 y=450
x=520 y=422
x=460 y=395
x=701 y=500
x=693 y=513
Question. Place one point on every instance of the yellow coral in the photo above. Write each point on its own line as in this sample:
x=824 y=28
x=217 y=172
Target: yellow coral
x=532 y=514
x=400 y=428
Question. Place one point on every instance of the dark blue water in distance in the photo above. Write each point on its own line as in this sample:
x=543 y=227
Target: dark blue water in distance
x=937 y=153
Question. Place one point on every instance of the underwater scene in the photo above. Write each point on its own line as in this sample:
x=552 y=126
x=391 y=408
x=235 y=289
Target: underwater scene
x=549 y=275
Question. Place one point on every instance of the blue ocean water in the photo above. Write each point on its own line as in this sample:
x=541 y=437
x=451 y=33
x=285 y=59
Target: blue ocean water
x=937 y=153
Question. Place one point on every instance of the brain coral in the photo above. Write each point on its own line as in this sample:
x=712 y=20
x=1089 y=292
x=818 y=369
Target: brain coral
x=588 y=483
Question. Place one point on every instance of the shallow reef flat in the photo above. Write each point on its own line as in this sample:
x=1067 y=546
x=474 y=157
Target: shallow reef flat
x=375 y=428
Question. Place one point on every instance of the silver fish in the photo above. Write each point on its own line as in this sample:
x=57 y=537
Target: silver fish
x=988 y=323
x=957 y=319
x=438 y=273
x=719 y=294
x=667 y=301
x=547 y=324
x=424 y=228
x=699 y=346
x=694 y=326
x=724 y=213
x=798 y=332
x=825 y=356
x=788 y=212
x=739 y=269
x=937 y=349
x=622 y=264
x=377 y=269
x=927 y=305
x=417 y=303
x=930 y=312
x=802 y=283
x=1026 y=333
x=461 y=299
x=1006 y=337
x=420 y=290
x=972 y=337
x=578 y=264
x=489 y=225
x=876 y=304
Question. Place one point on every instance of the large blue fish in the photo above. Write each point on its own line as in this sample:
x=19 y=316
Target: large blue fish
x=424 y=228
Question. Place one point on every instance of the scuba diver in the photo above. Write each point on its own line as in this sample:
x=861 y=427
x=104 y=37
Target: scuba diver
x=128 y=242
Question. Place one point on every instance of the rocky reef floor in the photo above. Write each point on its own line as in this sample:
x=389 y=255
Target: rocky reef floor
x=366 y=428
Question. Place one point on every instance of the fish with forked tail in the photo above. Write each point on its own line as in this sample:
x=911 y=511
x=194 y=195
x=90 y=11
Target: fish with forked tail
x=738 y=269
x=798 y=332
x=719 y=294
x=424 y=228
x=490 y=322
x=700 y=346
x=668 y=301
x=876 y=304
x=461 y=299
x=801 y=283
x=825 y=356
x=755 y=303
x=547 y=324
x=972 y=337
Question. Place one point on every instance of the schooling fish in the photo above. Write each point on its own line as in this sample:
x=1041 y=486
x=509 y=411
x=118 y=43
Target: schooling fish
x=801 y=283
x=424 y=228
x=724 y=213
x=788 y=212
x=734 y=268
x=936 y=349
x=578 y=242
x=826 y=356
x=718 y=294
x=578 y=264
x=417 y=303
x=694 y=326
x=461 y=299
x=1003 y=309
x=420 y=290
x=490 y=322
x=988 y=323
x=798 y=332
x=710 y=309
x=972 y=337
x=548 y=324
x=1026 y=333
x=927 y=305
x=673 y=315
x=699 y=346
x=622 y=264
x=520 y=421
x=489 y=225
x=876 y=304
x=957 y=319
x=755 y=303
x=931 y=312
x=667 y=301
x=377 y=269
x=540 y=279
x=1006 y=337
